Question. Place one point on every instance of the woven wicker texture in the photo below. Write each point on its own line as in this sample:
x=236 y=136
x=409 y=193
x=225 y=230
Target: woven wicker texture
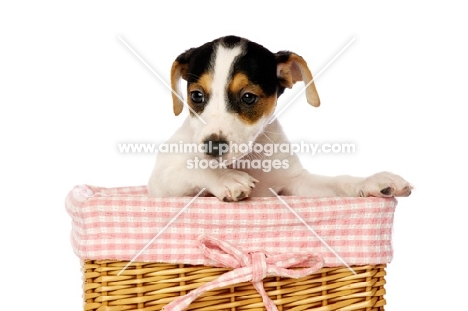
x=150 y=286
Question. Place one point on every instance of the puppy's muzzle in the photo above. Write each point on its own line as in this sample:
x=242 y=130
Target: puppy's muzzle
x=216 y=145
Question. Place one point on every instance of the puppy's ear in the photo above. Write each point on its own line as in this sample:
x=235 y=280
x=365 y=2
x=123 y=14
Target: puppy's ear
x=179 y=70
x=292 y=68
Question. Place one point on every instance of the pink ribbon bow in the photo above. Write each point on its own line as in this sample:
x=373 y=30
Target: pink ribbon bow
x=251 y=266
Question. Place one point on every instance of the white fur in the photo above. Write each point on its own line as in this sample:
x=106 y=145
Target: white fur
x=172 y=176
x=215 y=115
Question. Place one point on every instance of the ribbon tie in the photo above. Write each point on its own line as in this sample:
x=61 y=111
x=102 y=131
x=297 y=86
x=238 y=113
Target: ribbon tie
x=247 y=266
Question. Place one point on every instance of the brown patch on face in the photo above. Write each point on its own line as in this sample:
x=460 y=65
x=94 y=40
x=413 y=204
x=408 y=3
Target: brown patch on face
x=202 y=85
x=239 y=86
x=238 y=82
x=205 y=82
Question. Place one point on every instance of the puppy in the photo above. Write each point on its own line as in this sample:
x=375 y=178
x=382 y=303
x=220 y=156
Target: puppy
x=232 y=88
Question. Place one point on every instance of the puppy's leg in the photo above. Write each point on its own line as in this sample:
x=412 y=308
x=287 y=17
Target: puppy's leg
x=172 y=178
x=383 y=184
x=231 y=185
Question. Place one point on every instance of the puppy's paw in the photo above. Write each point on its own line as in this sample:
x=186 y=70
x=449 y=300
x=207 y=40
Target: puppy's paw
x=385 y=184
x=233 y=185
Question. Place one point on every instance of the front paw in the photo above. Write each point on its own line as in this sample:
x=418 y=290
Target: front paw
x=385 y=184
x=233 y=185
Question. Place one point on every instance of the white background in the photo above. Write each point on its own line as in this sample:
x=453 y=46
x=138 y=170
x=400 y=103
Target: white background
x=70 y=91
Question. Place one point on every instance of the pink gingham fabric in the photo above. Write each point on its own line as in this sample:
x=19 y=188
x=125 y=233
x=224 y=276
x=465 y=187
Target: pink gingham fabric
x=116 y=223
x=247 y=267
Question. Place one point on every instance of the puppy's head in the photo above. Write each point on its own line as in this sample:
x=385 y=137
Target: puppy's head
x=233 y=85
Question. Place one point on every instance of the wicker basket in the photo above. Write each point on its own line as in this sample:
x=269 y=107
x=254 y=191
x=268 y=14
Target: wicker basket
x=118 y=223
x=150 y=286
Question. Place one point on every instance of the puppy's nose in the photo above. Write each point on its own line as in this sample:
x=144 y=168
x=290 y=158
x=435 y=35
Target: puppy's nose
x=216 y=146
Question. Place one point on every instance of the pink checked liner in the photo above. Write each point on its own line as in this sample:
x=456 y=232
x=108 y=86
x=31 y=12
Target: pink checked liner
x=258 y=237
x=117 y=223
x=248 y=266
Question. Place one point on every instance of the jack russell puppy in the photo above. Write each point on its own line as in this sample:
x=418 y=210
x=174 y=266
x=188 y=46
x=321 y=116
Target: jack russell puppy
x=232 y=88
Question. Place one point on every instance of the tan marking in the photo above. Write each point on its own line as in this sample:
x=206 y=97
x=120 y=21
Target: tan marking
x=203 y=85
x=178 y=71
x=296 y=69
x=240 y=85
x=239 y=81
x=205 y=82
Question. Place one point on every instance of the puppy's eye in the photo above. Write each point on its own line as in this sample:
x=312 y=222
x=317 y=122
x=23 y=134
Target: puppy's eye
x=249 y=98
x=197 y=97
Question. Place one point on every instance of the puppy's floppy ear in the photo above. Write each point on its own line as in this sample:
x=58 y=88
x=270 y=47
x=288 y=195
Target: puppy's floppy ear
x=179 y=70
x=292 y=68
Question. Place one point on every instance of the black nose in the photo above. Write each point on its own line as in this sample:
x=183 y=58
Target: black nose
x=216 y=146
